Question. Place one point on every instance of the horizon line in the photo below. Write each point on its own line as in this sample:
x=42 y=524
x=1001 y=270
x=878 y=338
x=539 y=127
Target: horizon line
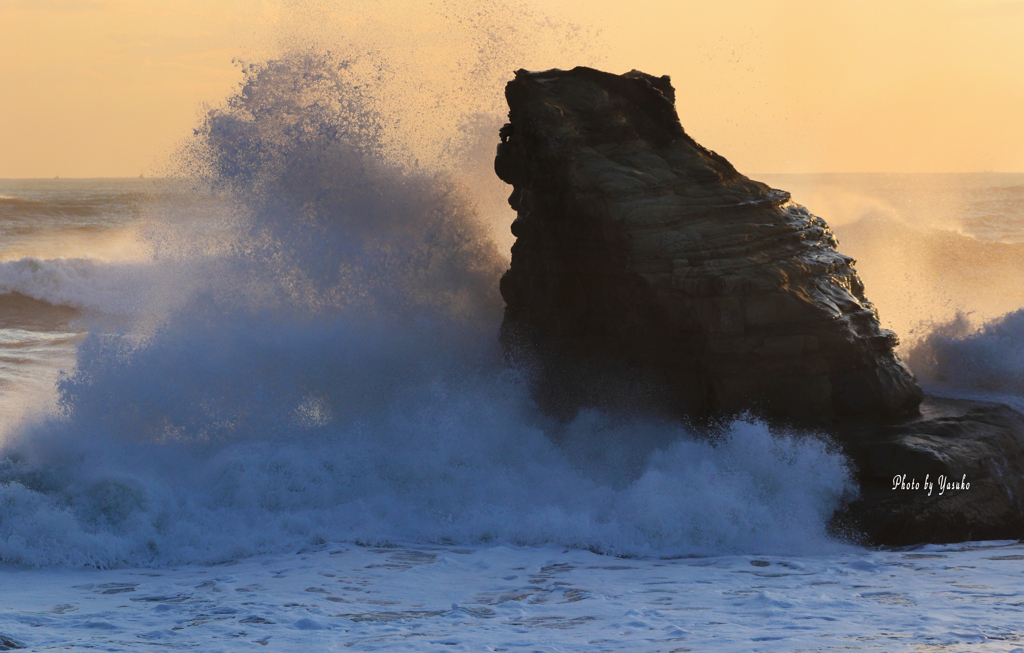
x=858 y=172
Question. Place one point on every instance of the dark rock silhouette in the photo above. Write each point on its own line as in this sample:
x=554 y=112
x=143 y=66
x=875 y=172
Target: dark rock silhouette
x=958 y=441
x=648 y=274
x=647 y=269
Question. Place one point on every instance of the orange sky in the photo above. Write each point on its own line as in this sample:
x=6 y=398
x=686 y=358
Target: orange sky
x=109 y=87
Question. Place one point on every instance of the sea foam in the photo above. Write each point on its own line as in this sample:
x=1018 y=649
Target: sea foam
x=448 y=458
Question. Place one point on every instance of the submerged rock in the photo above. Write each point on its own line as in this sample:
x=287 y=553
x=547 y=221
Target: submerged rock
x=648 y=272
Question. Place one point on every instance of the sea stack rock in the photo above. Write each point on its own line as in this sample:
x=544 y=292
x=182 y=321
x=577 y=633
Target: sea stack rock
x=648 y=272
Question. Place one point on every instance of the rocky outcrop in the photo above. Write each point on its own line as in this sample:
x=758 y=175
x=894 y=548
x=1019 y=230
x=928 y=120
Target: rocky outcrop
x=953 y=473
x=647 y=272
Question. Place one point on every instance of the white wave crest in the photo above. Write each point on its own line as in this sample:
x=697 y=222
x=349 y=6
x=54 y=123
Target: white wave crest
x=83 y=283
x=989 y=358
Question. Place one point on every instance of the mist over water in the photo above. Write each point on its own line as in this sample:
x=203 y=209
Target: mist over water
x=942 y=258
x=929 y=247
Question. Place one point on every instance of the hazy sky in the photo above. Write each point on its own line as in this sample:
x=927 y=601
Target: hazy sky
x=109 y=87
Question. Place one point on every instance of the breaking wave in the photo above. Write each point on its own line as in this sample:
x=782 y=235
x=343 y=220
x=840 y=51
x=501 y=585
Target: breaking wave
x=437 y=463
x=77 y=282
x=989 y=358
x=334 y=374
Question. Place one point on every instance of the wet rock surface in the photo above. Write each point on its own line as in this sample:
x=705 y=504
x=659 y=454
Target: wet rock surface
x=648 y=272
x=955 y=473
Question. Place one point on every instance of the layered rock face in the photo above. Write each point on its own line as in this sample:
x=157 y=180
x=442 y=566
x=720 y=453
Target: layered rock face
x=648 y=271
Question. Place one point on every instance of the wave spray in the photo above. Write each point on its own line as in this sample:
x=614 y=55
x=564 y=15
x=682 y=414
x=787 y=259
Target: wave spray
x=332 y=373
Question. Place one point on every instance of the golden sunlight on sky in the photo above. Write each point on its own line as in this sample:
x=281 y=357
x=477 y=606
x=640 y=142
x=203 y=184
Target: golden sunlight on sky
x=110 y=87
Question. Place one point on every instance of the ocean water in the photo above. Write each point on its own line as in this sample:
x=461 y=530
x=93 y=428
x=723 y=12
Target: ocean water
x=262 y=403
